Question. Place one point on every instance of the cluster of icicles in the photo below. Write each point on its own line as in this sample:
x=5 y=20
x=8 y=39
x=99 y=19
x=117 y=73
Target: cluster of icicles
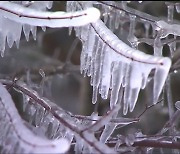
x=114 y=65
x=47 y=128
x=27 y=15
x=15 y=137
x=10 y=30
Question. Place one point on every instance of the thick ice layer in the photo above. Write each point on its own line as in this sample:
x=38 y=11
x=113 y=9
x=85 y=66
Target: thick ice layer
x=118 y=65
x=34 y=17
x=14 y=17
x=135 y=68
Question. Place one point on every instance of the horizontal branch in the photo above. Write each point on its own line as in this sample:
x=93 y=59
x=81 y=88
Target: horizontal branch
x=149 y=143
x=34 y=17
x=157 y=144
x=85 y=136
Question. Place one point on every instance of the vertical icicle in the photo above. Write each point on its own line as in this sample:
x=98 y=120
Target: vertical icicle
x=10 y=40
x=172 y=47
x=135 y=84
x=112 y=20
x=131 y=37
x=160 y=78
x=43 y=28
x=170 y=7
x=33 y=31
x=117 y=19
x=106 y=74
x=158 y=46
x=145 y=73
x=84 y=32
x=178 y=7
x=2 y=43
x=105 y=14
x=26 y=29
x=96 y=76
x=116 y=83
x=147 y=26
x=126 y=84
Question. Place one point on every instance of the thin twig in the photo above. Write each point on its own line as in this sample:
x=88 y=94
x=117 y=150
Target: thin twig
x=148 y=107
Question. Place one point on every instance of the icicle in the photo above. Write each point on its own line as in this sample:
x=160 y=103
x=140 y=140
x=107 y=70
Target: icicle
x=26 y=29
x=126 y=70
x=170 y=7
x=109 y=128
x=10 y=40
x=30 y=110
x=49 y=4
x=145 y=73
x=117 y=80
x=111 y=21
x=79 y=145
x=105 y=14
x=26 y=100
x=2 y=43
x=160 y=78
x=158 y=46
x=131 y=37
x=77 y=30
x=43 y=28
x=172 y=47
x=177 y=105
x=28 y=142
x=106 y=74
x=39 y=115
x=17 y=34
x=97 y=73
x=133 y=64
x=125 y=99
x=117 y=19
x=147 y=26
x=49 y=19
x=41 y=72
x=84 y=32
x=178 y=7
x=33 y=31
x=130 y=139
x=134 y=84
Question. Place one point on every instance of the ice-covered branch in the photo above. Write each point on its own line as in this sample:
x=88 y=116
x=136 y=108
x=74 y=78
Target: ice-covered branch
x=24 y=15
x=20 y=139
x=130 y=11
x=15 y=17
x=166 y=29
x=112 y=64
x=61 y=117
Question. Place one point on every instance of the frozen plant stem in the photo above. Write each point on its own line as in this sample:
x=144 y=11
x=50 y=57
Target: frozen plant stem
x=84 y=135
x=169 y=96
x=33 y=17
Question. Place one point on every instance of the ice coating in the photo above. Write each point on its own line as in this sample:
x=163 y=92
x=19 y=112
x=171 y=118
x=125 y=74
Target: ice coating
x=50 y=19
x=117 y=65
x=26 y=140
x=15 y=17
